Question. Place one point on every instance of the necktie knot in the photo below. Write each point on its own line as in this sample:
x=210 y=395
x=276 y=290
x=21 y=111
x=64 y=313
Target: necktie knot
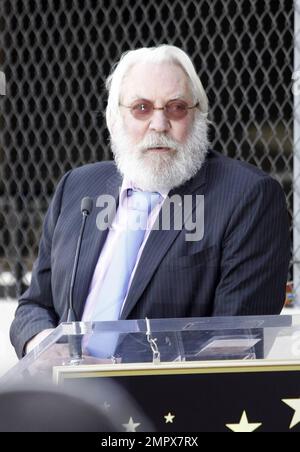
x=143 y=201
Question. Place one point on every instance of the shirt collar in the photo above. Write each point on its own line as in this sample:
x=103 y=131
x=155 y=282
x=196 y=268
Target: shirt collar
x=127 y=184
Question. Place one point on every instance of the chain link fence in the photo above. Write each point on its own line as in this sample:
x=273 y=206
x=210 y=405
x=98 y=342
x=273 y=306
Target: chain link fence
x=56 y=55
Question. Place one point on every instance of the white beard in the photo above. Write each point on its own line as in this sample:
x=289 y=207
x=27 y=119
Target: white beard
x=154 y=171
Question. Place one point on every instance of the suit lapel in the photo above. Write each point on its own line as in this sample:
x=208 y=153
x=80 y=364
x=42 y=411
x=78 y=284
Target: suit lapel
x=92 y=245
x=158 y=243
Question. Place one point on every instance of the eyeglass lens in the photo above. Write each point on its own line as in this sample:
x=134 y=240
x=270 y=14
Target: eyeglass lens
x=175 y=109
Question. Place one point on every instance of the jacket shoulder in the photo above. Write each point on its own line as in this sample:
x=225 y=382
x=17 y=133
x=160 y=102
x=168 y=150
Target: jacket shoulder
x=104 y=169
x=235 y=173
x=89 y=180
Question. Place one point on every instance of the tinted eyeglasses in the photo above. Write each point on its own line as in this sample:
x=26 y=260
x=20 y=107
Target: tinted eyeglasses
x=174 y=110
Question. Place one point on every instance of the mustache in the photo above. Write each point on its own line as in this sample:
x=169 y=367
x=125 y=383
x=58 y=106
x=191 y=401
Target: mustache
x=155 y=140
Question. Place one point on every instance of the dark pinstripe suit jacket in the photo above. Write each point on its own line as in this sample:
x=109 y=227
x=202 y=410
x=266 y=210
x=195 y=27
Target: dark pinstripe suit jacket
x=238 y=268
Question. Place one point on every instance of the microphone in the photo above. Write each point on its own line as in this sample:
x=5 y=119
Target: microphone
x=75 y=341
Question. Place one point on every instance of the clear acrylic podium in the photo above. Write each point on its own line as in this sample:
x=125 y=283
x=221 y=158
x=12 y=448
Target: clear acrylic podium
x=185 y=342
x=228 y=367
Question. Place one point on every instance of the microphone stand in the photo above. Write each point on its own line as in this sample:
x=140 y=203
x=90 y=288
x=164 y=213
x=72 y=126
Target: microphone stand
x=75 y=348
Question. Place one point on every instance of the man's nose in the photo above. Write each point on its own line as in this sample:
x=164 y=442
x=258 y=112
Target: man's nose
x=159 y=122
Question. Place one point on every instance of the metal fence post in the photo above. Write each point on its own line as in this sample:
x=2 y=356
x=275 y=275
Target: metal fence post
x=296 y=159
x=2 y=84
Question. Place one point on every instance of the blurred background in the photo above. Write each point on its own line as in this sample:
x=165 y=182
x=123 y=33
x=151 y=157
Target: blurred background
x=56 y=55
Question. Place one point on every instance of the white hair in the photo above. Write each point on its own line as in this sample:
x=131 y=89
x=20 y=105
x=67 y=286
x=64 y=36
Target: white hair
x=162 y=54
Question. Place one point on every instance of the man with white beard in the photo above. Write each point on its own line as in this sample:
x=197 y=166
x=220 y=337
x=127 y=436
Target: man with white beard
x=236 y=262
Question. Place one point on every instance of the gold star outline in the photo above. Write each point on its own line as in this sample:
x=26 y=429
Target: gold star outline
x=131 y=426
x=244 y=425
x=295 y=405
x=169 y=418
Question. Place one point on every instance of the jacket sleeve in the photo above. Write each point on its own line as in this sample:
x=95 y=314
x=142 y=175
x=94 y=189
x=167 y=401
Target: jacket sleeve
x=255 y=254
x=36 y=311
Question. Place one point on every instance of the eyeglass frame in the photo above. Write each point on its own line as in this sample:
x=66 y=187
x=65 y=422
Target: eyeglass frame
x=130 y=107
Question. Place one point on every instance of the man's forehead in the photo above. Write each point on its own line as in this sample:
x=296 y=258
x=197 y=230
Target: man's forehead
x=154 y=80
x=145 y=96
